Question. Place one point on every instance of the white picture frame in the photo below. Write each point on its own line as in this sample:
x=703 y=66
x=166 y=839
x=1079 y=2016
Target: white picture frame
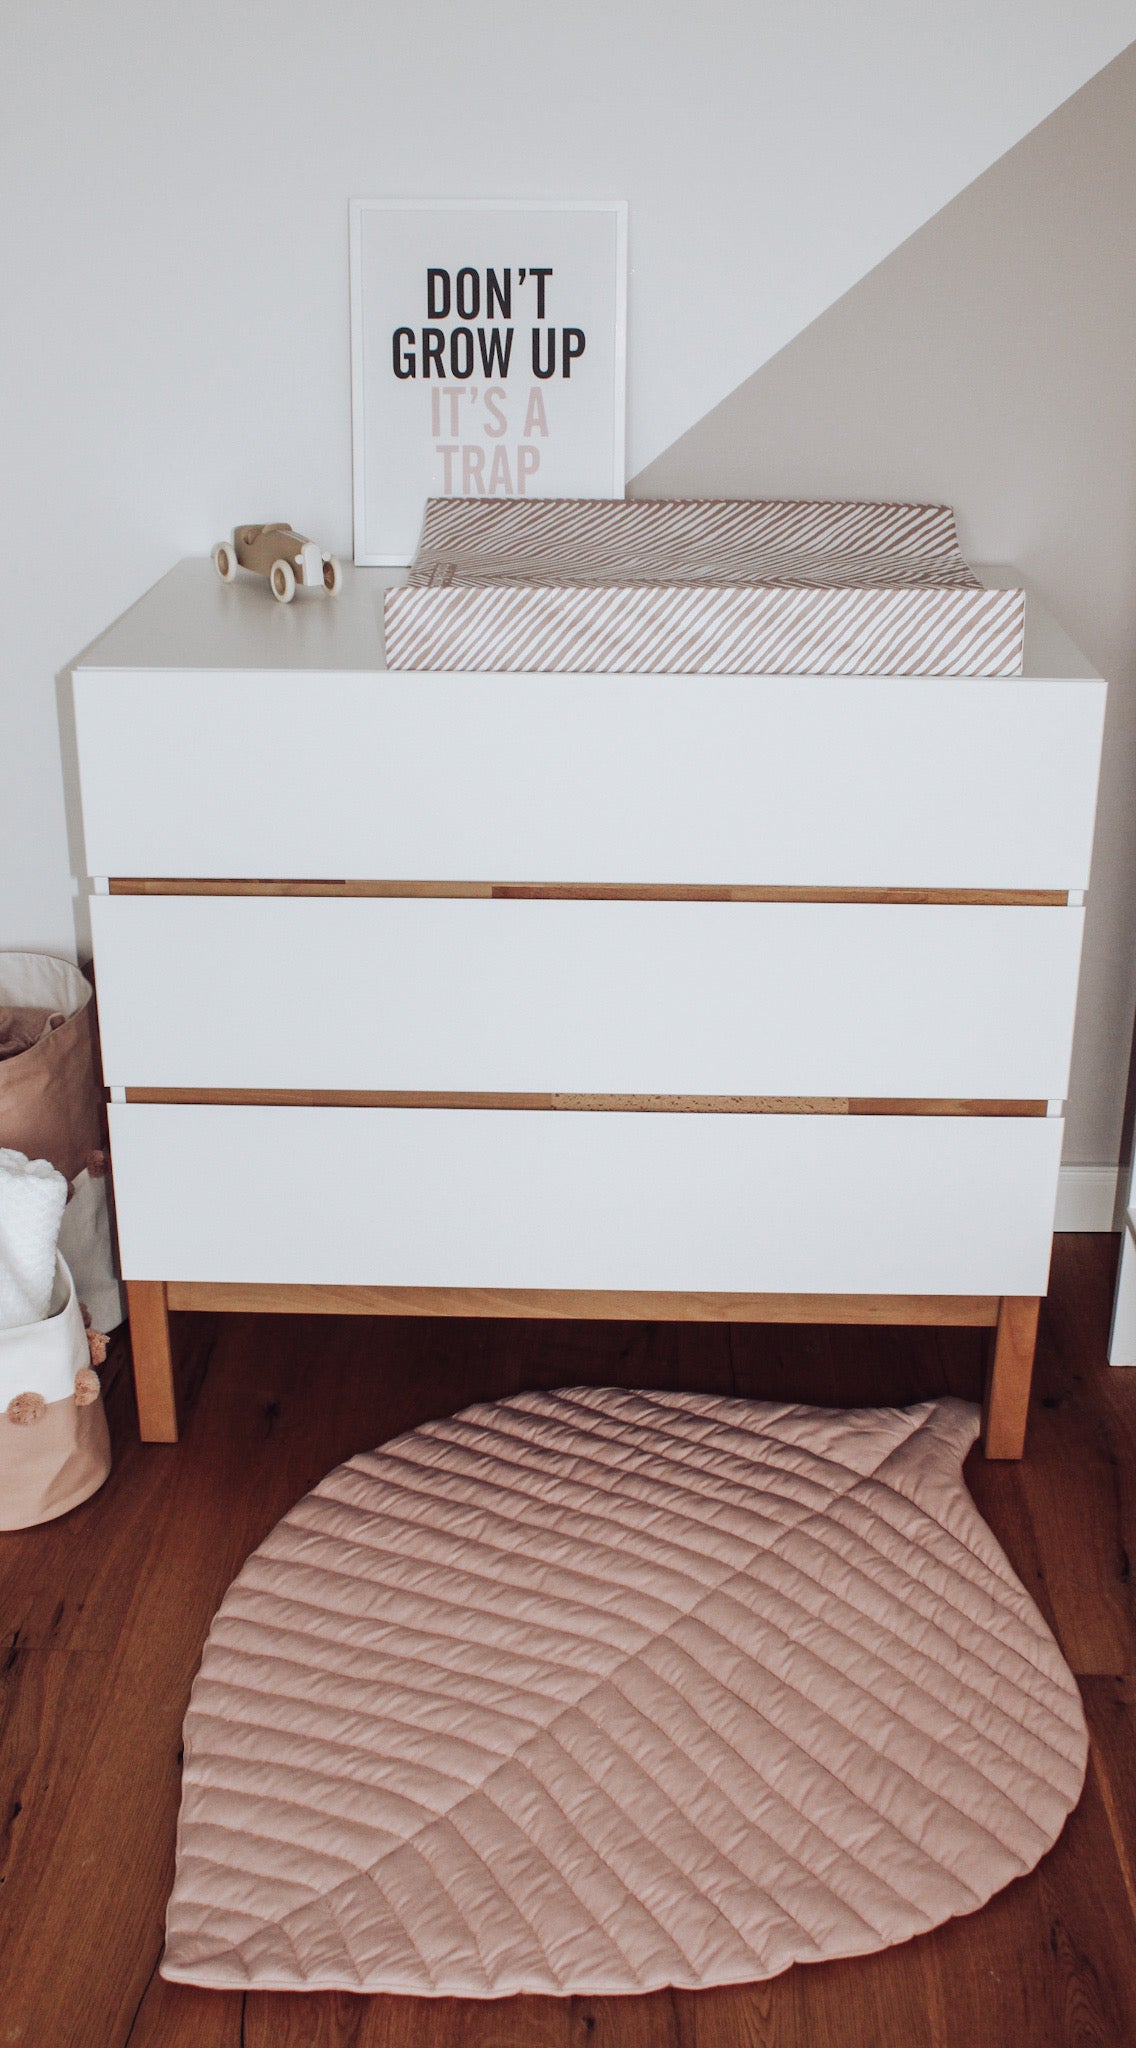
x=437 y=288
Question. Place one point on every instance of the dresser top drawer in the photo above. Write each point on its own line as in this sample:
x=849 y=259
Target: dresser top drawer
x=223 y=736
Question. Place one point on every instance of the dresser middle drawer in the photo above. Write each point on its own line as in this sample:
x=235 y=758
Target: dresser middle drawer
x=514 y=996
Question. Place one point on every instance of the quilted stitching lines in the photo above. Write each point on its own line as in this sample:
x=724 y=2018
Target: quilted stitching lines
x=599 y=1691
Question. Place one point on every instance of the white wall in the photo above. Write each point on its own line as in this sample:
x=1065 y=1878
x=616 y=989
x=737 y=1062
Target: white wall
x=173 y=248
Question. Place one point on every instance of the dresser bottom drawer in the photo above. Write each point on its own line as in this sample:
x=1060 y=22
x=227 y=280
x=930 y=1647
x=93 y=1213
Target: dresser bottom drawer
x=567 y=1199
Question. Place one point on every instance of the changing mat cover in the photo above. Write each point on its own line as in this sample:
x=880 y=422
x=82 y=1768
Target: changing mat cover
x=598 y=1691
x=698 y=587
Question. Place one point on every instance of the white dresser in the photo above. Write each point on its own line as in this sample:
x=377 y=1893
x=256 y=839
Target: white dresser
x=722 y=998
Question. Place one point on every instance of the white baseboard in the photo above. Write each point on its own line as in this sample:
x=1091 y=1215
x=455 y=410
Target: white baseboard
x=1086 y=1198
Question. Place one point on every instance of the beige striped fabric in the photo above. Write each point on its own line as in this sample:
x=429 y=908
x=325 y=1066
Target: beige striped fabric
x=698 y=587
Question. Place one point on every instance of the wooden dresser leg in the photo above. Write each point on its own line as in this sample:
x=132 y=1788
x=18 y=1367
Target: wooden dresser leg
x=1009 y=1375
x=153 y=1361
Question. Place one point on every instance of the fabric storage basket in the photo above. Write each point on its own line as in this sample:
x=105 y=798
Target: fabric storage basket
x=54 y=1445
x=52 y=1107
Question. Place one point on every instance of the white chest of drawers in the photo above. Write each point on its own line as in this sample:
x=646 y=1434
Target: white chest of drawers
x=718 y=997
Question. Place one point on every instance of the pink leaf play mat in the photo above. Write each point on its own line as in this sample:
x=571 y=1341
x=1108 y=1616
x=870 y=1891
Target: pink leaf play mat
x=599 y=1691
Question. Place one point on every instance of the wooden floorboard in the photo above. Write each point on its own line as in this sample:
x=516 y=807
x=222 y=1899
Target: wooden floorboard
x=103 y=1614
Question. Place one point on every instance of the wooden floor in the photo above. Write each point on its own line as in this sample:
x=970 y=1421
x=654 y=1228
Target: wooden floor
x=103 y=1616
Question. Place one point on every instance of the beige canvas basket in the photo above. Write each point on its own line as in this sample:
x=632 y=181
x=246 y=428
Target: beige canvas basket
x=52 y=1107
x=54 y=1445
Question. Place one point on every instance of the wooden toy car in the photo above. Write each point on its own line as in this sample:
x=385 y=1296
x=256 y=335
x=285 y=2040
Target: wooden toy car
x=285 y=557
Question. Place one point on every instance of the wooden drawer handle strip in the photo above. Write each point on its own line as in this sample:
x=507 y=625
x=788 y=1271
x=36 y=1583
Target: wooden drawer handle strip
x=590 y=892
x=734 y=1105
x=959 y=1311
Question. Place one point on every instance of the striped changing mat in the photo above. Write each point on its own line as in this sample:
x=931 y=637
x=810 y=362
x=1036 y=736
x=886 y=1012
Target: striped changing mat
x=698 y=587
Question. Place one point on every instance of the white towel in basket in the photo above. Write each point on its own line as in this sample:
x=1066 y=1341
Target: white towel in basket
x=32 y=1200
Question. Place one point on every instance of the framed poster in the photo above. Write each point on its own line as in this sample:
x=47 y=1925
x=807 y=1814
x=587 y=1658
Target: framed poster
x=488 y=357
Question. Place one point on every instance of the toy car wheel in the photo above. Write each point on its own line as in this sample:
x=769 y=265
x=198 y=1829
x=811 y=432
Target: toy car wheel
x=225 y=560
x=332 y=576
x=283 y=581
